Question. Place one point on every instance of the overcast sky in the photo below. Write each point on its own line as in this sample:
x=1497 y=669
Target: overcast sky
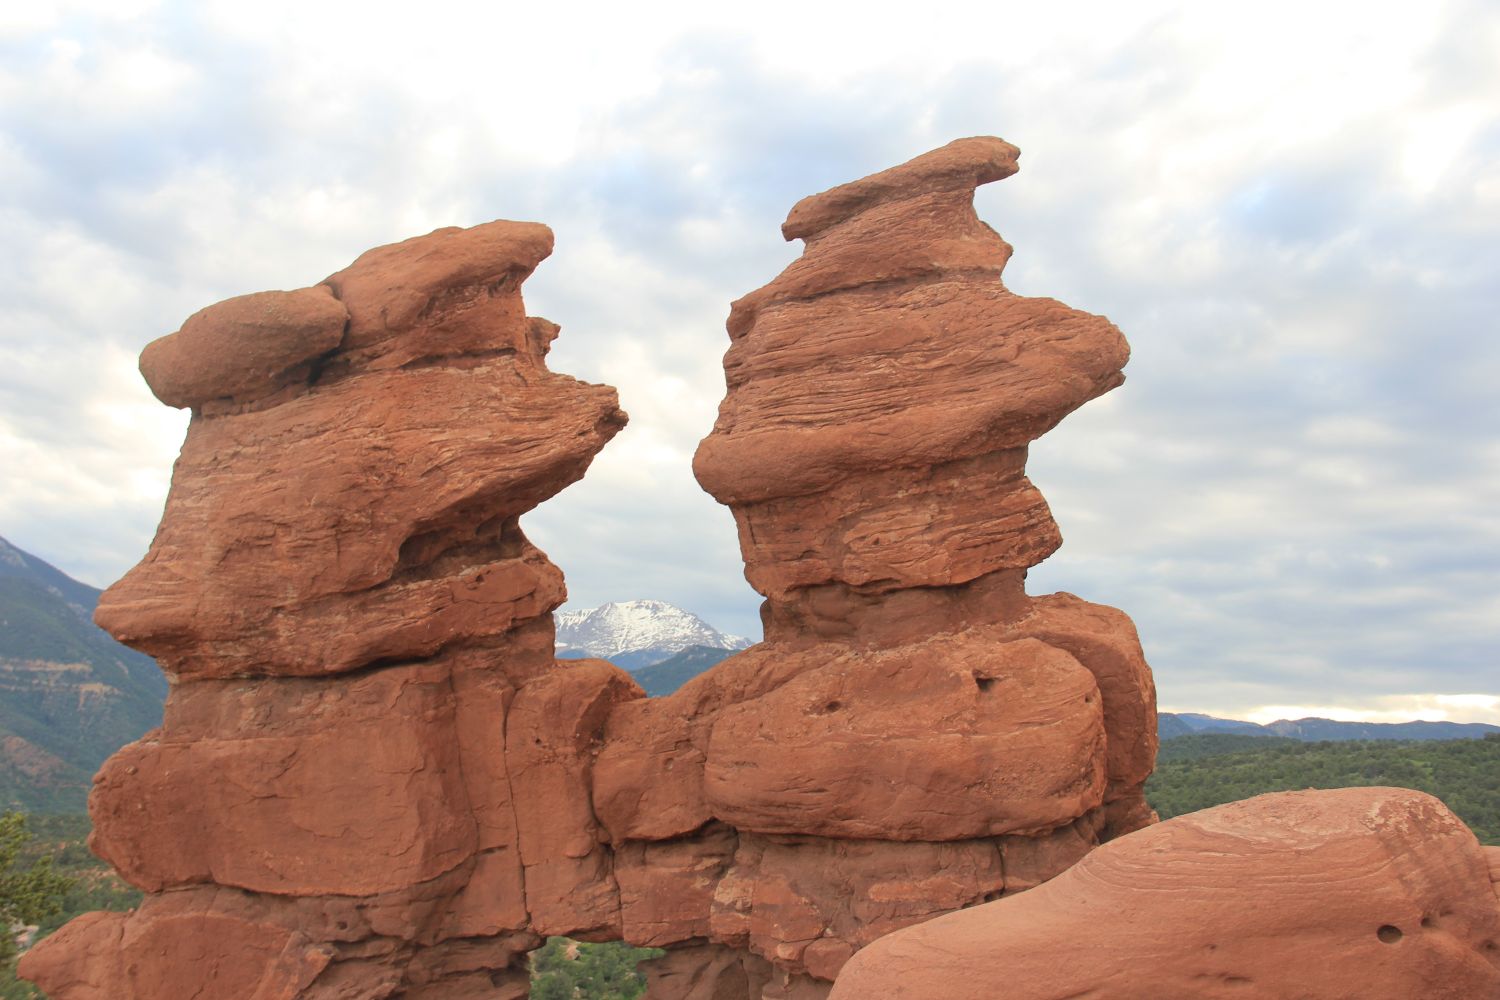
x=1291 y=209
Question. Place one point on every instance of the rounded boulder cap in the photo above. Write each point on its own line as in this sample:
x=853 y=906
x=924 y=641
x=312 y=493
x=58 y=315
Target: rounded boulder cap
x=243 y=348
x=963 y=164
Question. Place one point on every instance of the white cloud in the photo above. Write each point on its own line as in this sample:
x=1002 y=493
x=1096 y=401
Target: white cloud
x=1391 y=708
x=1294 y=494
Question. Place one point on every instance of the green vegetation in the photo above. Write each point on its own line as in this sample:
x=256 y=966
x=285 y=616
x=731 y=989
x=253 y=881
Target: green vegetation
x=93 y=884
x=670 y=674
x=1200 y=745
x=1195 y=772
x=33 y=781
x=575 y=970
x=69 y=694
x=31 y=892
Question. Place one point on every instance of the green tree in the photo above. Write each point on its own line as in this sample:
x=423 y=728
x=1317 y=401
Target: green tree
x=577 y=970
x=30 y=892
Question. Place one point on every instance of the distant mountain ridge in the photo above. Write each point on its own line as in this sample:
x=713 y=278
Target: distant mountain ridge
x=636 y=634
x=672 y=673
x=69 y=694
x=1314 y=730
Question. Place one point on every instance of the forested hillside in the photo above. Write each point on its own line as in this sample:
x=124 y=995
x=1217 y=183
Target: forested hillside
x=69 y=694
x=1195 y=772
x=667 y=676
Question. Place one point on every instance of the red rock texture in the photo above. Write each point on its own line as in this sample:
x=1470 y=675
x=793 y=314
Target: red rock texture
x=372 y=775
x=916 y=734
x=1362 y=892
x=374 y=780
x=367 y=513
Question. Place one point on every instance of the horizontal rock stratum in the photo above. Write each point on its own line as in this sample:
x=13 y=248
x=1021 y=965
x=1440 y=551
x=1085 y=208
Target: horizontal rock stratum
x=375 y=780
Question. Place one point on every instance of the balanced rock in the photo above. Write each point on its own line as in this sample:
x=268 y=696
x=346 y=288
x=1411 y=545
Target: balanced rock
x=1374 y=893
x=245 y=348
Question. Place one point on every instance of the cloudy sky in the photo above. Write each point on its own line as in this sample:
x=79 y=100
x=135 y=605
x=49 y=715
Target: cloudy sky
x=1291 y=209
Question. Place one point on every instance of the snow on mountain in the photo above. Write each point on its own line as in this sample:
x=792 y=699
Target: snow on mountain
x=635 y=634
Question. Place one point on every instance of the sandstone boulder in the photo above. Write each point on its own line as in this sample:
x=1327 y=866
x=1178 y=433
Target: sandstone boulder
x=245 y=348
x=1361 y=892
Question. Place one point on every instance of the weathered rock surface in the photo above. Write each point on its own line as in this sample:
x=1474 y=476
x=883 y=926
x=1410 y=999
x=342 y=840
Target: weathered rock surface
x=245 y=348
x=372 y=779
x=1364 y=892
x=916 y=734
x=375 y=780
x=368 y=513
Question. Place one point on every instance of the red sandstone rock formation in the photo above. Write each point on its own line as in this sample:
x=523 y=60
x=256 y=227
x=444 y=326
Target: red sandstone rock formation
x=374 y=781
x=916 y=734
x=1363 y=893
x=360 y=641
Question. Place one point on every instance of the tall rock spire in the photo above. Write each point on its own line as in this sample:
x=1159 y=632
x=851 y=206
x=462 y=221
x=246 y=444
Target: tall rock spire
x=882 y=391
x=916 y=734
x=348 y=609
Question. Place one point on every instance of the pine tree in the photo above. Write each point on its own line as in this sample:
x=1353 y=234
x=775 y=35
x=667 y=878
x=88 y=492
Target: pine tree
x=29 y=893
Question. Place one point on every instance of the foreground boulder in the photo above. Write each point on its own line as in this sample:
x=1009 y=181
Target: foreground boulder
x=1362 y=893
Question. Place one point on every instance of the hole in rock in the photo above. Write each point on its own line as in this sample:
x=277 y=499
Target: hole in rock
x=564 y=969
x=1389 y=933
x=985 y=683
x=832 y=706
x=1427 y=922
x=627 y=567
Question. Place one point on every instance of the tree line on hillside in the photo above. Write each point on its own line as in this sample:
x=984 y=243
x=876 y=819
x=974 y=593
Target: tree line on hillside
x=1196 y=772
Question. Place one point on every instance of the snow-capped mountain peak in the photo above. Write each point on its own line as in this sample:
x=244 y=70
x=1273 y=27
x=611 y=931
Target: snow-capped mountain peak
x=635 y=634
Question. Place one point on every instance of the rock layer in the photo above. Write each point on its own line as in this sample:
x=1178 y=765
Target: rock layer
x=1361 y=892
x=374 y=779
